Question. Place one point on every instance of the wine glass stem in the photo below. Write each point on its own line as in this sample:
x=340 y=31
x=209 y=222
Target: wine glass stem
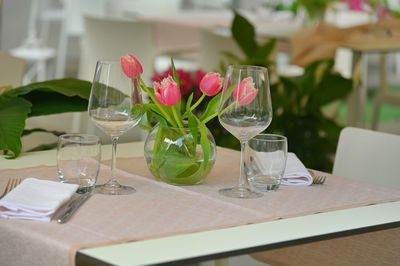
x=243 y=182
x=114 y=141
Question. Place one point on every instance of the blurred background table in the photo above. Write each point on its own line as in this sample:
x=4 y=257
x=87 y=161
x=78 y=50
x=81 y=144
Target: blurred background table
x=361 y=45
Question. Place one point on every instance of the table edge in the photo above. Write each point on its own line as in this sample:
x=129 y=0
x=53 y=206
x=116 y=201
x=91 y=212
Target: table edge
x=218 y=243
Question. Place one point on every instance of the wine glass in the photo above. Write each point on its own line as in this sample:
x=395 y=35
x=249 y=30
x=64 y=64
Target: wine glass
x=114 y=106
x=245 y=110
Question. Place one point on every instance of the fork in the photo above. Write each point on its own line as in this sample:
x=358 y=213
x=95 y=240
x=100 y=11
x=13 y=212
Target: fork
x=317 y=179
x=11 y=184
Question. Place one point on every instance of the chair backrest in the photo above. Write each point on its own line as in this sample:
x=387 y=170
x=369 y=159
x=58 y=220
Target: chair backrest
x=110 y=38
x=12 y=70
x=368 y=155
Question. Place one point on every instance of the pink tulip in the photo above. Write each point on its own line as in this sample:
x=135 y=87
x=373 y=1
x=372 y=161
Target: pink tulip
x=245 y=93
x=356 y=5
x=211 y=83
x=131 y=66
x=167 y=92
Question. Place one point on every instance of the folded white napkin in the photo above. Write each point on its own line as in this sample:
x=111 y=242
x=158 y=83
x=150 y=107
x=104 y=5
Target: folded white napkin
x=296 y=173
x=36 y=199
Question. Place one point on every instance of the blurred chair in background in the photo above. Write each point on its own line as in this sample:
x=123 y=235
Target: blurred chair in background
x=110 y=38
x=12 y=70
x=369 y=156
x=33 y=50
x=72 y=27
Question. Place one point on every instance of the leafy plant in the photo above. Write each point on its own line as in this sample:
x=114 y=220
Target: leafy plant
x=36 y=99
x=244 y=34
x=298 y=104
x=315 y=8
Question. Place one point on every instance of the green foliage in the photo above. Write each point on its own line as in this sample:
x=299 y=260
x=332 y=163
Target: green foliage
x=41 y=98
x=298 y=104
x=315 y=8
x=243 y=32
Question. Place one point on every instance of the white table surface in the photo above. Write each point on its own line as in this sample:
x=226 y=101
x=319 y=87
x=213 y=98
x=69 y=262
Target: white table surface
x=216 y=243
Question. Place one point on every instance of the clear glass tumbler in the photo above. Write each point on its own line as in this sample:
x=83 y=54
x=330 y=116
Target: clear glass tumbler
x=265 y=161
x=78 y=160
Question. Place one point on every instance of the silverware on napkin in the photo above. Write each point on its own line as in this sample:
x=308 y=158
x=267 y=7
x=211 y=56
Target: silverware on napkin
x=72 y=207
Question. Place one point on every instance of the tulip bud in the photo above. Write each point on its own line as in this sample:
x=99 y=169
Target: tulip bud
x=167 y=92
x=131 y=66
x=211 y=83
x=245 y=93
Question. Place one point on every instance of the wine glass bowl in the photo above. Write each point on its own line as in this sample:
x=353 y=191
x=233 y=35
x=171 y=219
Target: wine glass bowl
x=245 y=110
x=114 y=108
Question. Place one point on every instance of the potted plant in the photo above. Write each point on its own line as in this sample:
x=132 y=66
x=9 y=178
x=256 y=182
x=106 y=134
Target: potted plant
x=36 y=99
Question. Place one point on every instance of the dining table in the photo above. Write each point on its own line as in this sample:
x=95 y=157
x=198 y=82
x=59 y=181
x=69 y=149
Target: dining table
x=362 y=45
x=163 y=224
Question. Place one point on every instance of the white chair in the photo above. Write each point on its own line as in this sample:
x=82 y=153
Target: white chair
x=33 y=50
x=12 y=70
x=110 y=38
x=368 y=155
x=72 y=26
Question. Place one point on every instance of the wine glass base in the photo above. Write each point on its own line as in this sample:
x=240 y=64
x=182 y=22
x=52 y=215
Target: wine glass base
x=114 y=189
x=240 y=192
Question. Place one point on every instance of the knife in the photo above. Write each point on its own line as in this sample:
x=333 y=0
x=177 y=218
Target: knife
x=72 y=207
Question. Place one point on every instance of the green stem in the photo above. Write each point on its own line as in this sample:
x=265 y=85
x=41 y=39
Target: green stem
x=198 y=102
x=177 y=118
x=186 y=114
x=219 y=113
x=178 y=121
x=209 y=118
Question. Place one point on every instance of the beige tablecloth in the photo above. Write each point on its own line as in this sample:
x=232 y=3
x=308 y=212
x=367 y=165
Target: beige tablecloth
x=158 y=209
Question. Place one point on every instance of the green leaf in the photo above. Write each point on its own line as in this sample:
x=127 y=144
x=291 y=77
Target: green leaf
x=68 y=87
x=54 y=96
x=174 y=74
x=193 y=124
x=152 y=110
x=45 y=103
x=212 y=107
x=244 y=34
x=137 y=110
x=13 y=112
x=264 y=52
x=331 y=88
x=189 y=103
x=41 y=98
x=205 y=143
x=33 y=130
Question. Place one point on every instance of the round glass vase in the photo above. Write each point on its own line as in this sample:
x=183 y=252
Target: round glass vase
x=179 y=156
